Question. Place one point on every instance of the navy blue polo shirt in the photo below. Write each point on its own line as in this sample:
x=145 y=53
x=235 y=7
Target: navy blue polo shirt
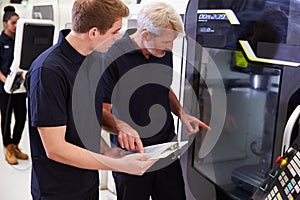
x=139 y=84
x=51 y=79
x=6 y=56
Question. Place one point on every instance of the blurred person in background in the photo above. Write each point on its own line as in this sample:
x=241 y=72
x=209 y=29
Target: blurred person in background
x=10 y=102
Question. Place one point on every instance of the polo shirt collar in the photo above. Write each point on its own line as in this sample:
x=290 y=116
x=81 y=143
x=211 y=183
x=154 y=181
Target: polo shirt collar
x=68 y=50
x=6 y=37
x=127 y=43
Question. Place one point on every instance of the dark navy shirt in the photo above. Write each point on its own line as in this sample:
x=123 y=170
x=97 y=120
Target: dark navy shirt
x=6 y=56
x=51 y=79
x=138 y=88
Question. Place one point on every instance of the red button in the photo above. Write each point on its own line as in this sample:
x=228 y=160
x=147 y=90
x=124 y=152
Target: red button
x=279 y=159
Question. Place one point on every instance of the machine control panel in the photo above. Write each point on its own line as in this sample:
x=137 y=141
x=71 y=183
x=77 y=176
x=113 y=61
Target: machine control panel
x=283 y=181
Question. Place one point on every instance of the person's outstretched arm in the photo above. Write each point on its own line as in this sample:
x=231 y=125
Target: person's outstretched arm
x=192 y=123
x=59 y=150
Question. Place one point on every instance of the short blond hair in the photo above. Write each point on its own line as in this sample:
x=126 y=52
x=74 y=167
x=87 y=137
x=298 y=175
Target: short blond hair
x=156 y=16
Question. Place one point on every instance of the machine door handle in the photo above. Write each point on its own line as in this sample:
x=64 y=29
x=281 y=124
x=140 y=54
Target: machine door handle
x=288 y=130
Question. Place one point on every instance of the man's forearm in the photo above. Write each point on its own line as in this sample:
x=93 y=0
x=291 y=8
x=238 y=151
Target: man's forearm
x=175 y=106
x=108 y=122
x=2 y=77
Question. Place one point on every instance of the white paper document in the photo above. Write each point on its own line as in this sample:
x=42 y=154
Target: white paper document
x=163 y=150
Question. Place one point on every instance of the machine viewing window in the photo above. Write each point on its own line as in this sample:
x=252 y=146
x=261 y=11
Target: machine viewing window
x=243 y=153
x=43 y=12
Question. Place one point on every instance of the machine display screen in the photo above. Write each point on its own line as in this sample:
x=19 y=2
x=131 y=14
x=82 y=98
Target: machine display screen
x=262 y=22
x=211 y=28
x=36 y=39
x=208 y=16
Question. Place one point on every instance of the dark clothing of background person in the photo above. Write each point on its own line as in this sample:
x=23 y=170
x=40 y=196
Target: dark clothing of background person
x=17 y=101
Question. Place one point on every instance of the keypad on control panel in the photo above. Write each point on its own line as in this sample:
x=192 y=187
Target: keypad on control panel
x=283 y=182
